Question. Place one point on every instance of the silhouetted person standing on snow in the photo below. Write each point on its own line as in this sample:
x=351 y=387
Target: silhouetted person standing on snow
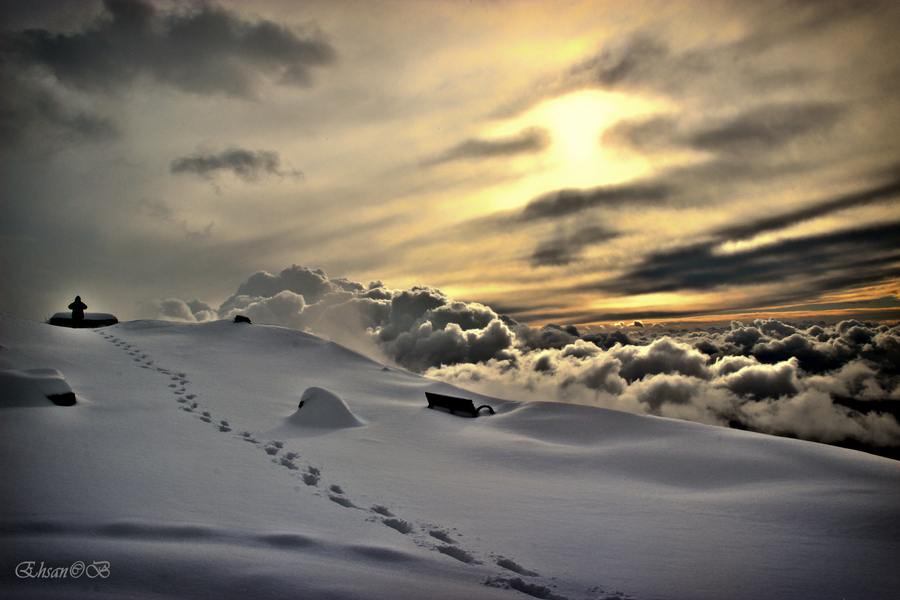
x=77 y=308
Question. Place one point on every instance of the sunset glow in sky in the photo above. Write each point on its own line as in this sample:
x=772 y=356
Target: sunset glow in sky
x=567 y=162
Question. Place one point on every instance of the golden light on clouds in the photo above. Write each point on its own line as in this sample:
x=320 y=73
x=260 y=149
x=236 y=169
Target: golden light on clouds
x=579 y=157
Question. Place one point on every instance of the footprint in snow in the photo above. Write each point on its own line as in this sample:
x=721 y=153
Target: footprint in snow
x=272 y=449
x=532 y=589
x=441 y=535
x=342 y=501
x=224 y=426
x=382 y=510
x=284 y=461
x=511 y=565
x=311 y=477
x=399 y=524
x=336 y=489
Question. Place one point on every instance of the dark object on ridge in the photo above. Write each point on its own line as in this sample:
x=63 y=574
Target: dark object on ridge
x=242 y=319
x=77 y=307
x=454 y=404
x=67 y=399
x=64 y=319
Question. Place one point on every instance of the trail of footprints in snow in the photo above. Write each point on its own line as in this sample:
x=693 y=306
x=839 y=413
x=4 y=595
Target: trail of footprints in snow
x=425 y=535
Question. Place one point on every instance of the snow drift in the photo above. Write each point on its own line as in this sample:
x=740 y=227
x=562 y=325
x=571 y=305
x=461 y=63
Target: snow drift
x=172 y=475
x=34 y=387
x=321 y=409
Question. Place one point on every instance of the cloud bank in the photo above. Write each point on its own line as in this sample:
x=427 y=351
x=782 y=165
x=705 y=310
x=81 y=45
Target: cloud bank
x=831 y=383
x=203 y=50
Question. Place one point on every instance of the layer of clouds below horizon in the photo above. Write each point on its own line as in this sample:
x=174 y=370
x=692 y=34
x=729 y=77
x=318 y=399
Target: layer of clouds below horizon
x=767 y=376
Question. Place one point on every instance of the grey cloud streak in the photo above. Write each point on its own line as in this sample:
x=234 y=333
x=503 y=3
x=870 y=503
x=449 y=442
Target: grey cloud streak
x=752 y=132
x=880 y=193
x=248 y=165
x=865 y=254
x=566 y=202
x=566 y=248
x=525 y=142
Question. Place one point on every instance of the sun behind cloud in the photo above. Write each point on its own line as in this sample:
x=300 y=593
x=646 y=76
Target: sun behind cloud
x=575 y=156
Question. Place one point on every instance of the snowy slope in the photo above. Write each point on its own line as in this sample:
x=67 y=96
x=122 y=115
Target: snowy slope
x=187 y=465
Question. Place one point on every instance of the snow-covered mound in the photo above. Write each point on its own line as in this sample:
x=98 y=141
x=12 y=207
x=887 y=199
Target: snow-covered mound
x=184 y=474
x=34 y=387
x=321 y=409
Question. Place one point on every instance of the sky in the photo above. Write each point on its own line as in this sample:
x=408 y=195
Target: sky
x=568 y=162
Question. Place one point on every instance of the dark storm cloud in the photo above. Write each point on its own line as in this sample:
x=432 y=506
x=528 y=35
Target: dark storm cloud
x=248 y=165
x=525 y=142
x=566 y=248
x=864 y=254
x=203 y=49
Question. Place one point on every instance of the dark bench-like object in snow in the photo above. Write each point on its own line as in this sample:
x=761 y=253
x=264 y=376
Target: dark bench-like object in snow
x=66 y=399
x=454 y=404
x=64 y=319
x=242 y=319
